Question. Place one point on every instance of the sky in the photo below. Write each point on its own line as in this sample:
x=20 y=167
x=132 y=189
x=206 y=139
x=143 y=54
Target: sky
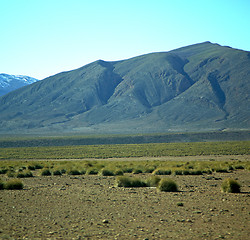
x=40 y=38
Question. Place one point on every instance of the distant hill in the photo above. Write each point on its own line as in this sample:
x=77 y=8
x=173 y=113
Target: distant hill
x=201 y=87
x=9 y=83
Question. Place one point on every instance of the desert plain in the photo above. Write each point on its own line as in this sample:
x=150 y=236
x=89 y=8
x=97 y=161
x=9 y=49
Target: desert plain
x=93 y=207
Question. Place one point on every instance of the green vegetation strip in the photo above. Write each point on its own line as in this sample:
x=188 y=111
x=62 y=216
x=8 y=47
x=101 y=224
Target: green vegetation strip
x=24 y=168
x=127 y=150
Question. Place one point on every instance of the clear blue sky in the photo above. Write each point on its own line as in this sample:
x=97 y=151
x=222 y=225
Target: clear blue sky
x=40 y=38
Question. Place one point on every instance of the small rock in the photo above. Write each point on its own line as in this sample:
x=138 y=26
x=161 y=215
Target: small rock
x=105 y=221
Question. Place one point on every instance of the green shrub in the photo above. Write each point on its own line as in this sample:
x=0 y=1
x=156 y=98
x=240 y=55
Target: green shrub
x=137 y=171
x=11 y=173
x=13 y=184
x=221 y=170
x=3 y=170
x=118 y=172
x=230 y=168
x=21 y=169
x=63 y=171
x=127 y=170
x=123 y=181
x=153 y=181
x=136 y=182
x=187 y=172
x=46 y=172
x=92 y=171
x=192 y=172
x=208 y=171
x=74 y=172
x=106 y=172
x=167 y=185
x=230 y=185
x=178 y=172
x=239 y=167
x=38 y=166
x=1 y=184
x=197 y=172
x=25 y=174
x=31 y=167
x=57 y=172
x=83 y=171
x=149 y=170
x=162 y=172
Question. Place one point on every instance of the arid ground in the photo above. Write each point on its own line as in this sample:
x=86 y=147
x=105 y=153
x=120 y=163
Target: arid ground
x=91 y=207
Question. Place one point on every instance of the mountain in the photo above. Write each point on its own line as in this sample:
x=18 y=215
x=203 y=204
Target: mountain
x=9 y=83
x=200 y=87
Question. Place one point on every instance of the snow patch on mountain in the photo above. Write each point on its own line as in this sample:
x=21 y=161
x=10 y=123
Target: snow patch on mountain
x=10 y=83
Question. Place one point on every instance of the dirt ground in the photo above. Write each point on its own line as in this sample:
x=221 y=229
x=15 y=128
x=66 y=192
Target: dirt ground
x=91 y=207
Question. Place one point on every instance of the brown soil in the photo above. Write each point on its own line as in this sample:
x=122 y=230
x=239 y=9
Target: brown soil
x=90 y=207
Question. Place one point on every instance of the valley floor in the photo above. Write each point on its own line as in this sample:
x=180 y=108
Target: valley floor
x=91 y=207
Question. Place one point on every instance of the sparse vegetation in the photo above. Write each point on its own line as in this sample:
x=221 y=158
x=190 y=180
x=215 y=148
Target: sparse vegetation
x=116 y=167
x=127 y=150
x=230 y=185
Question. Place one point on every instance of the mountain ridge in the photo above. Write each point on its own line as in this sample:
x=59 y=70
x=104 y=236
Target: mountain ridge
x=195 y=88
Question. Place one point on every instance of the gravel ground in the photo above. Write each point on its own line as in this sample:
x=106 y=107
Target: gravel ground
x=91 y=207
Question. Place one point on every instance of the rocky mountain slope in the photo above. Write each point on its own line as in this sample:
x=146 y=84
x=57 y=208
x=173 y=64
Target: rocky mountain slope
x=195 y=88
x=9 y=83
